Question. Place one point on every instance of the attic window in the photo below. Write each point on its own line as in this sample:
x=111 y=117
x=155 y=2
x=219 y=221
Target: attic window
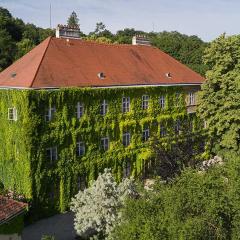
x=168 y=75
x=101 y=75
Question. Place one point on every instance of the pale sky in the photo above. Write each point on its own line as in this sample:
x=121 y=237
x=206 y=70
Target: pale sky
x=204 y=18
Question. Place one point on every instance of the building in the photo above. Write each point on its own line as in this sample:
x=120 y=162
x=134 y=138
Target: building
x=11 y=218
x=70 y=108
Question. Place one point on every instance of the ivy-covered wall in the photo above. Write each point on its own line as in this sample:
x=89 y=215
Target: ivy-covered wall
x=23 y=163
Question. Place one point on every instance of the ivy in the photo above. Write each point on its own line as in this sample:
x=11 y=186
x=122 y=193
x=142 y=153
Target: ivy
x=24 y=167
x=14 y=226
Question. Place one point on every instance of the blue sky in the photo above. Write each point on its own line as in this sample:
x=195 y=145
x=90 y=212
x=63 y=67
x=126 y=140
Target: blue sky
x=205 y=18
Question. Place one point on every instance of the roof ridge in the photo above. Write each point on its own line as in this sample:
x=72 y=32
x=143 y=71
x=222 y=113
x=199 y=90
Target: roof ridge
x=44 y=53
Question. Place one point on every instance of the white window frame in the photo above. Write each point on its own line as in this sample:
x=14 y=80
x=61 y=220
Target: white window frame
x=145 y=102
x=12 y=114
x=125 y=104
x=53 y=154
x=104 y=108
x=192 y=99
x=105 y=143
x=163 y=131
x=126 y=139
x=145 y=134
x=162 y=101
x=80 y=149
x=80 y=110
x=50 y=112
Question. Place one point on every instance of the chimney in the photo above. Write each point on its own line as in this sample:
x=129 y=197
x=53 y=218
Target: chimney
x=64 y=31
x=141 y=40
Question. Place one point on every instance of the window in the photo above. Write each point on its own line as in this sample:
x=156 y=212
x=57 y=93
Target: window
x=81 y=183
x=125 y=104
x=145 y=134
x=191 y=98
x=105 y=143
x=163 y=131
x=49 y=114
x=80 y=110
x=162 y=101
x=51 y=154
x=80 y=150
x=177 y=126
x=12 y=114
x=126 y=139
x=126 y=169
x=145 y=101
x=177 y=99
x=104 y=108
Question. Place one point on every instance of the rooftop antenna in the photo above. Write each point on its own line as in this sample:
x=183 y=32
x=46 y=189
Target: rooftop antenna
x=50 y=16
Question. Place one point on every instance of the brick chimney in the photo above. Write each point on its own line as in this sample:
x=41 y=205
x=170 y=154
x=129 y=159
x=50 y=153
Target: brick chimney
x=141 y=40
x=64 y=31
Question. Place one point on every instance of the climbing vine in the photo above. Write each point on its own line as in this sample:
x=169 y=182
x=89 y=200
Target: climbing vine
x=24 y=166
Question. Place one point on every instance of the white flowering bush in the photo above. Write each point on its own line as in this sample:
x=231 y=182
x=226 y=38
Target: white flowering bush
x=97 y=207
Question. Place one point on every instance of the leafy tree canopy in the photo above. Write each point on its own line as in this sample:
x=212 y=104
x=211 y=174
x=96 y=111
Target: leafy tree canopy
x=196 y=205
x=220 y=96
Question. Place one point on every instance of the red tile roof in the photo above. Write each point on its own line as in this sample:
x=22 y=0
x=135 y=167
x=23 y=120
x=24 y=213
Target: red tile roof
x=10 y=208
x=57 y=63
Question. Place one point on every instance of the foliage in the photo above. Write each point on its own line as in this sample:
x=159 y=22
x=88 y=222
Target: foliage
x=14 y=226
x=97 y=208
x=16 y=37
x=24 y=166
x=219 y=99
x=193 y=206
x=23 y=47
x=73 y=20
x=171 y=157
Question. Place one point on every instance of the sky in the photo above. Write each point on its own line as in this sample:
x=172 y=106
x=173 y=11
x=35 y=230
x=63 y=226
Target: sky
x=204 y=18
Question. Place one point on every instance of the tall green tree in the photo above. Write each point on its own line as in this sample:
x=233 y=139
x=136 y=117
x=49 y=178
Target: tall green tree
x=73 y=20
x=220 y=96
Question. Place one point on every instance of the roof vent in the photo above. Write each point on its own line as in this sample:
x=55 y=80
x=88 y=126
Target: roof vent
x=168 y=75
x=101 y=75
x=141 y=40
x=13 y=75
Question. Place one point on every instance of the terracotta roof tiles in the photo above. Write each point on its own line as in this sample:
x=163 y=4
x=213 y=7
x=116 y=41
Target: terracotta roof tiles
x=57 y=63
x=10 y=208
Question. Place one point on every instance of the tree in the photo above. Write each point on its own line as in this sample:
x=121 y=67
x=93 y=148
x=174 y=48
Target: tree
x=7 y=49
x=194 y=205
x=97 y=208
x=219 y=103
x=24 y=47
x=73 y=20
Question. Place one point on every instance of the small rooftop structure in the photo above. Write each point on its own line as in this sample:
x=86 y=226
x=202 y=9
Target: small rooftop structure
x=141 y=40
x=64 y=31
